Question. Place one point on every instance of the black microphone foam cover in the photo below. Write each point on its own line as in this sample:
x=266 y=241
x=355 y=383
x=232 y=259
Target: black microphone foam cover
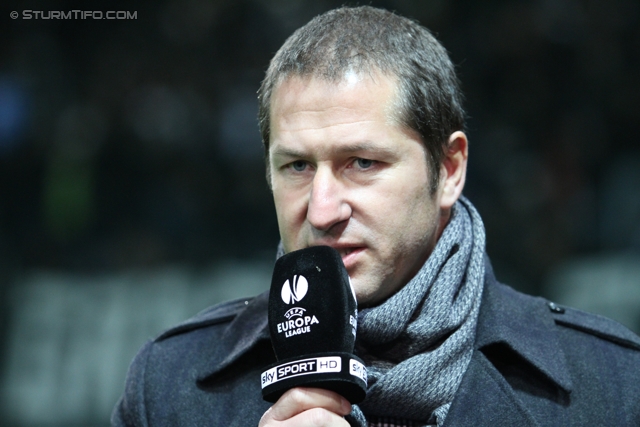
x=313 y=322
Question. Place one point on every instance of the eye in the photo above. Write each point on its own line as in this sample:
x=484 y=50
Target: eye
x=299 y=165
x=364 y=163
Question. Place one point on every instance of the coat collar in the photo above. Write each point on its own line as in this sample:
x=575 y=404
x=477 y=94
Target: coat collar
x=248 y=328
x=522 y=325
x=525 y=325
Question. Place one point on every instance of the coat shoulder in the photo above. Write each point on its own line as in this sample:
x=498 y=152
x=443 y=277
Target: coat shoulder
x=176 y=369
x=217 y=314
x=568 y=318
x=594 y=324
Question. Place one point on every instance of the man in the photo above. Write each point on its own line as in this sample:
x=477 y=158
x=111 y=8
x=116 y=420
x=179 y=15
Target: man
x=362 y=122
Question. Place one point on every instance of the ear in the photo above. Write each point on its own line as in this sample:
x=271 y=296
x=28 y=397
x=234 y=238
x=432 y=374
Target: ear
x=454 y=170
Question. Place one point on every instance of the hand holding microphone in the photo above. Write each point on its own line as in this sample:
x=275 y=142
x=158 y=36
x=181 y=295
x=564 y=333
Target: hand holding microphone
x=313 y=322
x=300 y=407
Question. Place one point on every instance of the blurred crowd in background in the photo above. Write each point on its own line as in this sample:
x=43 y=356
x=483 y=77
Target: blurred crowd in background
x=132 y=190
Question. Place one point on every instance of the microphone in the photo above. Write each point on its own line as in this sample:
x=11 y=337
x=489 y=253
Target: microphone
x=312 y=322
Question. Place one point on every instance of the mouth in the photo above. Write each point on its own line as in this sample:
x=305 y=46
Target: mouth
x=349 y=255
x=348 y=252
x=345 y=251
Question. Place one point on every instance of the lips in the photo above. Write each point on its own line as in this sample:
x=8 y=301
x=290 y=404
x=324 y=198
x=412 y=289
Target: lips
x=349 y=255
x=345 y=251
x=348 y=252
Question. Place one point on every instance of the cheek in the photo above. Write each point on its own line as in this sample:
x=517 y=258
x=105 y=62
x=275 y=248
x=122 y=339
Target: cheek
x=290 y=212
x=409 y=219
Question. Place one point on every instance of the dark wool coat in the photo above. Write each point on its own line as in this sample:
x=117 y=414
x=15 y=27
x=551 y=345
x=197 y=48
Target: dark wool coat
x=534 y=364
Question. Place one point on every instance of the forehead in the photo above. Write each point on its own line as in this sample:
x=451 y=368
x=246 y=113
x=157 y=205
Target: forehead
x=314 y=99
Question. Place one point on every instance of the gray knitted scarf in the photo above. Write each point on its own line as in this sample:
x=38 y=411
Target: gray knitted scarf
x=418 y=343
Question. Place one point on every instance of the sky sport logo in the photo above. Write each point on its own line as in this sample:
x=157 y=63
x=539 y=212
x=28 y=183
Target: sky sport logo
x=292 y=294
x=316 y=365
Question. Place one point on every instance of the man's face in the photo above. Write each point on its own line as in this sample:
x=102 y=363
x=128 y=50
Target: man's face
x=345 y=174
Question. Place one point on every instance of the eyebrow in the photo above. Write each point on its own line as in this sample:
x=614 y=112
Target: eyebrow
x=343 y=149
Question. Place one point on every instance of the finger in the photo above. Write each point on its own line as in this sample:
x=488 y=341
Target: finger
x=300 y=399
x=315 y=417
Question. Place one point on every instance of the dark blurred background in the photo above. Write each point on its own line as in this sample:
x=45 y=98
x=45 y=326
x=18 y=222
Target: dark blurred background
x=132 y=190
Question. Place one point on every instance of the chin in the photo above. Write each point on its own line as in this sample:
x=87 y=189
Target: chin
x=366 y=299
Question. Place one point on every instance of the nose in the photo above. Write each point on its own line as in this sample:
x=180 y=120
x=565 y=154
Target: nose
x=327 y=202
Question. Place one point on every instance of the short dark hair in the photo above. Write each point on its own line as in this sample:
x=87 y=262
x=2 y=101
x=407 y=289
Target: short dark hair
x=365 y=40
